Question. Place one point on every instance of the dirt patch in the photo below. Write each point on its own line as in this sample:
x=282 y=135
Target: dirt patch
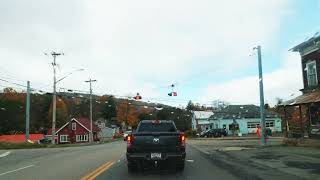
x=268 y=156
x=234 y=149
x=314 y=167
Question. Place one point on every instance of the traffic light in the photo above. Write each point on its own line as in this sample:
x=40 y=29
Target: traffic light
x=138 y=97
x=173 y=94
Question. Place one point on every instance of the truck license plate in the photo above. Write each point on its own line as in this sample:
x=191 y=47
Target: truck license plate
x=155 y=155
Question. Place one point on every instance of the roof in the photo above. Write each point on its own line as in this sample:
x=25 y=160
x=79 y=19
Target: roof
x=240 y=112
x=17 y=138
x=160 y=121
x=84 y=122
x=310 y=41
x=303 y=99
x=202 y=114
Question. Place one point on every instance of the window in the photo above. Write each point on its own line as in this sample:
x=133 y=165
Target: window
x=64 y=138
x=74 y=126
x=233 y=127
x=314 y=114
x=158 y=127
x=253 y=124
x=312 y=73
x=224 y=126
x=82 y=138
x=269 y=124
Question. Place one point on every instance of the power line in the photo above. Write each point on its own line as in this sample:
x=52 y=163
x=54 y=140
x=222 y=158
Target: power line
x=76 y=91
x=13 y=83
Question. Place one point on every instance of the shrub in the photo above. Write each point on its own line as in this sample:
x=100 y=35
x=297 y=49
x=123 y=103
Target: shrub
x=191 y=133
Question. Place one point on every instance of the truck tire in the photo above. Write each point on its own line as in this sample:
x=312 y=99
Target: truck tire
x=180 y=167
x=131 y=169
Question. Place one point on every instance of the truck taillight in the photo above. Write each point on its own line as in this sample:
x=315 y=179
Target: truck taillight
x=129 y=140
x=183 y=140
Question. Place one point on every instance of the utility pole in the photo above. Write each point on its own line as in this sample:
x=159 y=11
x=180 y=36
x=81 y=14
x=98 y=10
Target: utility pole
x=28 y=111
x=54 y=103
x=262 y=113
x=127 y=112
x=91 y=133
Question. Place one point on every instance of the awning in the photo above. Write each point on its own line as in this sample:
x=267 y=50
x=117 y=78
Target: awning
x=203 y=122
x=303 y=99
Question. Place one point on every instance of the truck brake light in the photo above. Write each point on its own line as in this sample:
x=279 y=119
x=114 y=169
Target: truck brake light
x=129 y=140
x=183 y=140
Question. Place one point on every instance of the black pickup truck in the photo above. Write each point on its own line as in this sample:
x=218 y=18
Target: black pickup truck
x=155 y=144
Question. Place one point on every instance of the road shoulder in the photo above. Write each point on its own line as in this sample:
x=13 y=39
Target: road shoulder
x=257 y=162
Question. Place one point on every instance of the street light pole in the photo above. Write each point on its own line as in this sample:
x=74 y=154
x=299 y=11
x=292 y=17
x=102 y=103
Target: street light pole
x=91 y=133
x=54 y=103
x=262 y=113
x=54 y=96
x=28 y=112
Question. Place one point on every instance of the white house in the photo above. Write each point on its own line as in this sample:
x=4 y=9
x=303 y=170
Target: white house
x=200 y=120
x=106 y=132
x=245 y=118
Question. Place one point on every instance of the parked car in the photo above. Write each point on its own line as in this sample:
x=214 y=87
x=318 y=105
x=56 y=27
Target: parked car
x=125 y=135
x=44 y=141
x=201 y=134
x=214 y=133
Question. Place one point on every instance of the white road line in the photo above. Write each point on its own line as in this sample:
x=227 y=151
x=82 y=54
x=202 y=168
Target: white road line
x=5 y=154
x=190 y=160
x=16 y=170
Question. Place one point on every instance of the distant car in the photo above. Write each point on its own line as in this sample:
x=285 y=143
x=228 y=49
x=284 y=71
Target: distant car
x=214 y=133
x=125 y=135
x=201 y=134
x=44 y=141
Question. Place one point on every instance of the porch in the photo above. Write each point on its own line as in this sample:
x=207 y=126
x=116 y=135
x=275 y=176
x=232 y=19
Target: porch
x=301 y=116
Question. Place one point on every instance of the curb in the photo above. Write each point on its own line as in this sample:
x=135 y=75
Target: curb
x=237 y=138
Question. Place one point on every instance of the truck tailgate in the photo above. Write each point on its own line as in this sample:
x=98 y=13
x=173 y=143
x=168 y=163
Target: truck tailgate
x=156 y=142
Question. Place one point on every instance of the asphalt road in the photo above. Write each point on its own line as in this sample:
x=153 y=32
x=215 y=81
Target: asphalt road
x=106 y=161
x=58 y=163
x=197 y=167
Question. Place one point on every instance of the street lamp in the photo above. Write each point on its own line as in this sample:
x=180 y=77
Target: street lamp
x=77 y=70
x=262 y=113
x=54 y=104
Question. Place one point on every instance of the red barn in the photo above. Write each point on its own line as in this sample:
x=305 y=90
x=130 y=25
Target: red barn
x=75 y=131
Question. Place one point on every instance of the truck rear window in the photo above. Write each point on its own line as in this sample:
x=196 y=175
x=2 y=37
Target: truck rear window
x=157 y=127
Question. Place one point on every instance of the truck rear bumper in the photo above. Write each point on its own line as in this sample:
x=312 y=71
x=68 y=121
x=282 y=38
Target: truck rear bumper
x=165 y=156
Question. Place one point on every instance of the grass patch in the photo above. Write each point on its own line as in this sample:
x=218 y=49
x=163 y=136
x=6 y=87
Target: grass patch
x=25 y=145
x=6 y=145
x=290 y=142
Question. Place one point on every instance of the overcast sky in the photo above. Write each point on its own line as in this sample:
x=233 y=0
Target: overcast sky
x=144 y=46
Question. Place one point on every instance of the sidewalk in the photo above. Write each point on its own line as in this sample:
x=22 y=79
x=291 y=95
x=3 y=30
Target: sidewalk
x=306 y=142
x=236 y=138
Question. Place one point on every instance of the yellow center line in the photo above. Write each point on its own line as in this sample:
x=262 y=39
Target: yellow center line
x=97 y=171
